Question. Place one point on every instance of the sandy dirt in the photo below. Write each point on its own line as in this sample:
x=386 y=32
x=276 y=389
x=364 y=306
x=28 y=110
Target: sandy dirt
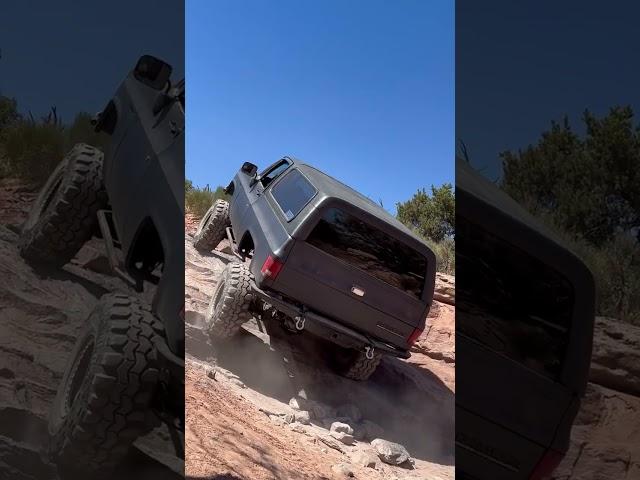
x=235 y=422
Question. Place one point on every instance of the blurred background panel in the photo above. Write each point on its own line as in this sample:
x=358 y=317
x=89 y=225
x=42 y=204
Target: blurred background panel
x=91 y=204
x=547 y=260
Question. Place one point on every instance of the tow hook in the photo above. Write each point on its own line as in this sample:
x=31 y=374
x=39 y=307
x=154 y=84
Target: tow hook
x=300 y=323
x=368 y=352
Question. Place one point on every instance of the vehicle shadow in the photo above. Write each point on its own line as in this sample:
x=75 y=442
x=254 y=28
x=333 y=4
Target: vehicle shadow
x=413 y=406
x=63 y=275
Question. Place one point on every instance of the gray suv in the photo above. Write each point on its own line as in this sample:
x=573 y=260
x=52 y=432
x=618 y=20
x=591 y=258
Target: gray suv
x=318 y=256
x=126 y=372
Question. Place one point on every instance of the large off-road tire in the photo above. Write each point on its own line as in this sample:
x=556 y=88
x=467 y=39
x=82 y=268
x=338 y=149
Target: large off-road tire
x=63 y=216
x=354 y=364
x=212 y=228
x=230 y=305
x=104 y=400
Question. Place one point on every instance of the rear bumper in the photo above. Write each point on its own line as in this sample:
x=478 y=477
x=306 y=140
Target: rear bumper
x=329 y=329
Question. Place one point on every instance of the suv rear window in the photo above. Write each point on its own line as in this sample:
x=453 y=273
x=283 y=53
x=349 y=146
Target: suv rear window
x=357 y=243
x=511 y=302
x=292 y=193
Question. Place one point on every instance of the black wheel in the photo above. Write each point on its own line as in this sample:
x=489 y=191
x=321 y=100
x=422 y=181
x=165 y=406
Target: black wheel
x=104 y=400
x=212 y=228
x=63 y=216
x=230 y=305
x=354 y=364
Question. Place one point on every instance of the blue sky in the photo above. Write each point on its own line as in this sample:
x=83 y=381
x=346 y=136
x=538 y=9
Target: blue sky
x=520 y=65
x=73 y=55
x=363 y=90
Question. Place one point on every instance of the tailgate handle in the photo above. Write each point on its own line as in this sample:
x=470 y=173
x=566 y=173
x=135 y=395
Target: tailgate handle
x=357 y=291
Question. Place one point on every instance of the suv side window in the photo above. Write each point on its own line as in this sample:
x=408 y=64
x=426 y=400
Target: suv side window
x=274 y=172
x=292 y=193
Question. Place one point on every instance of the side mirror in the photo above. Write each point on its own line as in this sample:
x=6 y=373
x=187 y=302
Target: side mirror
x=249 y=168
x=153 y=72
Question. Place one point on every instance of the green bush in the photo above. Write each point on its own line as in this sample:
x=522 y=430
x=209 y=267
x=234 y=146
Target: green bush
x=615 y=266
x=30 y=149
x=586 y=187
x=616 y=271
x=432 y=216
x=445 y=251
x=199 y=200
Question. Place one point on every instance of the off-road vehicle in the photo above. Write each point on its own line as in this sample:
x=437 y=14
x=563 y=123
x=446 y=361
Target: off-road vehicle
x=525 y=312
x=319 y=257
x=126 y=373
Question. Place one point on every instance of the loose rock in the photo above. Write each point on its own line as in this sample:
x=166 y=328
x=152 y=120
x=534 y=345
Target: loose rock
x=341 y=427
x=345 y=438
x=327 y=422
x=298 y=403
x=390 y=452
x=302 y=416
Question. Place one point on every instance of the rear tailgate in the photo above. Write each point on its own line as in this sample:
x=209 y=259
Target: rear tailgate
x=384 y=304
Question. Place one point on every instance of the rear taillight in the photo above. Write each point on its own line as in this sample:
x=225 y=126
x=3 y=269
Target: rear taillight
x=414 y=336
x=547 y=464
x=271 y=267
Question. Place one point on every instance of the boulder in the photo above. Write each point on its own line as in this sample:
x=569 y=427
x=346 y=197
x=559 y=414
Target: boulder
x=390 y=452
